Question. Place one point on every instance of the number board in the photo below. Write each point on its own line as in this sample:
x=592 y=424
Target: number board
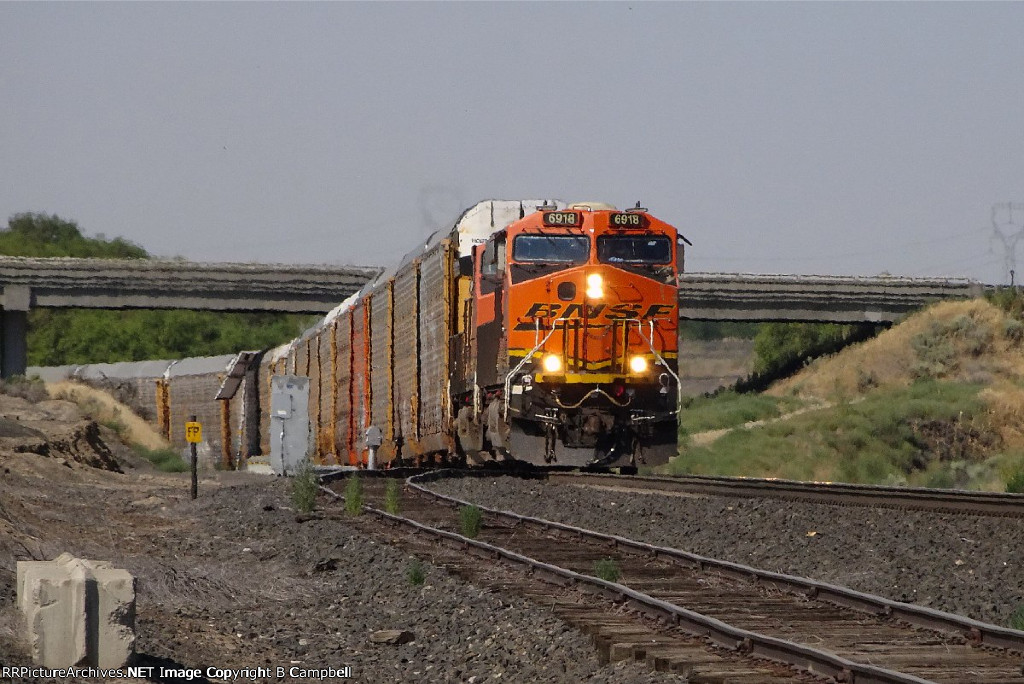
x=193 y=432
x=627 y=220
x=562 y=218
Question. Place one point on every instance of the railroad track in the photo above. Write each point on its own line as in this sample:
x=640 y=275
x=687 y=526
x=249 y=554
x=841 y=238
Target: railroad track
x=835 y=493
x=672 y=598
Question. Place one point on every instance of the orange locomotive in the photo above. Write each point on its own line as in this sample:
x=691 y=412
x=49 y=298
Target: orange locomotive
x=526 y=330
x=575 y=315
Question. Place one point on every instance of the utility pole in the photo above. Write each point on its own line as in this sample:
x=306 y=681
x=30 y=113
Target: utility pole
x=1007 y=230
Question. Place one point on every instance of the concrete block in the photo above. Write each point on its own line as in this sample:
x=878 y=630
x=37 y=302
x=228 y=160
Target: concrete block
x=77 y=612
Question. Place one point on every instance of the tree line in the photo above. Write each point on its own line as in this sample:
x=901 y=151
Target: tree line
x=77 y=336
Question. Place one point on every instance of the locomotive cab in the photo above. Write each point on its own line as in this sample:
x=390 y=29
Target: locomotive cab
x=575 y=319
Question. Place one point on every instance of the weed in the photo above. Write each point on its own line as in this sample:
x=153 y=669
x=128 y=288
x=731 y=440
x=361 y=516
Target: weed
x=354 y=495
x=1009 y=299
x=935 y=354
x=165 y=460
x=866 y=380
x=1017 y=618
x=1013 y=330
x=415 y=572
x=608 y=570
x=391 y=495
x=115 y=423
x=469 y=521
x=31 y=389
x=1015 y=482
x=304 y=488
x=940 y=479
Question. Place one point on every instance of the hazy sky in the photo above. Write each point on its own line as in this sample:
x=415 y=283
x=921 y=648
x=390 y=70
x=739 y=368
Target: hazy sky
x=780 y=138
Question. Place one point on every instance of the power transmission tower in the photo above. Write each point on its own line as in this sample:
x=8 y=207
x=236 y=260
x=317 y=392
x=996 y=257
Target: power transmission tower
x=1007 y=230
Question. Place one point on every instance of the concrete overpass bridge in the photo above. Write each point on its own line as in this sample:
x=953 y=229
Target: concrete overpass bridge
x=68 y=283
x=152 y=284
x=833 y=299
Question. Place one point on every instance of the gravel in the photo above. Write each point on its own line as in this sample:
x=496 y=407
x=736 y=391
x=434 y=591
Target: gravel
x=970 y=565
x=332 y=586
x=236 y=579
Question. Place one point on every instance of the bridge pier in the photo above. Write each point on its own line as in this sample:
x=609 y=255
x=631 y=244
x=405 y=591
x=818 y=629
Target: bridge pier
x=17 y=299
x=14 y=358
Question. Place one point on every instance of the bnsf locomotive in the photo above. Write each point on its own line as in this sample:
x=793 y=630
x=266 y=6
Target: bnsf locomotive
x=535 y=331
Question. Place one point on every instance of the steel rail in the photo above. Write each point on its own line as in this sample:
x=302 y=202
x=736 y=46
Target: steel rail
x=975 y=631
x=814 y=661
x=877 y=496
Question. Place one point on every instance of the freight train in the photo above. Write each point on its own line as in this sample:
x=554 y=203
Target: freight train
x=530 y=330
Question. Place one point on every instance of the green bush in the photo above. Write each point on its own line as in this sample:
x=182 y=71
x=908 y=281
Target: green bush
x=1017 y=618
x=1013 y=330
x=1009 y=299
x=1015 y=483
x=354 y=495
x=470 y=518
x=782 y=349
x=166 y=460
x=938 y=347
x=415 y=572
x=391 y=497
x=781 y=345
x=607 y=569
x=304 y=488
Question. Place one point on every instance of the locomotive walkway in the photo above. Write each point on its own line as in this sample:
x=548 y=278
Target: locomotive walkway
x=153 y=284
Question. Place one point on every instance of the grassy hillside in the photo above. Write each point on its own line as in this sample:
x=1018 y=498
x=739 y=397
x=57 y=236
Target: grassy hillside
x=935 y=401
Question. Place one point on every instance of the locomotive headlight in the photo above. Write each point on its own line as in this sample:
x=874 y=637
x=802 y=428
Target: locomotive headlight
x=638 y=364
x=552 y=363
x=595 y=286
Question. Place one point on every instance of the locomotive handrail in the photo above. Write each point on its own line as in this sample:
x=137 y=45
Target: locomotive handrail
x=596 y=390
x=650 y=343
x=529 y=356
x=640 y=330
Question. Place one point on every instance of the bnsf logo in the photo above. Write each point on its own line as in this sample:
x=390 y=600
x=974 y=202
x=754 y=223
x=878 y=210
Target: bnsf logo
x=614 y=313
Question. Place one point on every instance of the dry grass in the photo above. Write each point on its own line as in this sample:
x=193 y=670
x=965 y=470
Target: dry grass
x=972 y=335
x=105 y=409
x=1005 y=402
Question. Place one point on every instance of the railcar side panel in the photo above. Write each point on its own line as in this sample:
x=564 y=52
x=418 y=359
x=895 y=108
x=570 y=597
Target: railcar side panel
x=406 y=347
x=435 y=334
x=381 y=368
x=301 y=361
x=359 y=389
x=266 y=372
x=341 y=398
x=312 y=351
x=325 y=414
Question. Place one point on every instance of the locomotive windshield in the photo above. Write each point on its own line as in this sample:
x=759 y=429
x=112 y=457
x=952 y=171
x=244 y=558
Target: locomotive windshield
x=634 y=249
x=562 y=249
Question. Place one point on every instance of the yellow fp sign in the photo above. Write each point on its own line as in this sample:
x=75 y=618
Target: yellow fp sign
x=193 y=432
